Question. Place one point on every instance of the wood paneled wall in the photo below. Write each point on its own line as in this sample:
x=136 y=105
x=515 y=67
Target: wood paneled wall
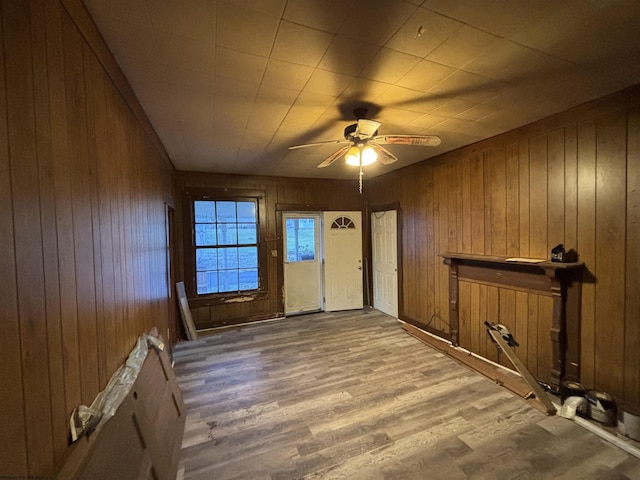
x=281 y=194
x=573 y=178
x=82 y=230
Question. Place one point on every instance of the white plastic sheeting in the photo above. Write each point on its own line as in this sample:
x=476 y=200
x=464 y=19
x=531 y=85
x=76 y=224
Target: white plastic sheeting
x=85 y=420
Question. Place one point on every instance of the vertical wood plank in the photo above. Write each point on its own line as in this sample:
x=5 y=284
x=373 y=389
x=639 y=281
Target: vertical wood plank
x=432 y=258
x=476 y=328
x=452 y=210
x=521 y=324
x=443 y=238
x=483 y=316
x=22 y=139
x=92 y=186
x=477 y=204
x=498 y=199
x=409 y=244
x=538 y=197
x=587 y=246
x=555 y=186
x=532 y=334
x=632 y=267
x=13 y=454
x=524 y=197
x=458 y=186
x=610 y=248
x=422 y=240
x=507 y=314
x=464 y=315
x=48 y=225
x=64 y=219
x=493 y=316
x=486 y=201
x=466 y=206
x=571 y=187
x=81 y=207
x=107 y=283
x=513 y=200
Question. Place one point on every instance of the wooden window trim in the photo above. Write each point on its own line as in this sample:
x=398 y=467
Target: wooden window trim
x=192 y=195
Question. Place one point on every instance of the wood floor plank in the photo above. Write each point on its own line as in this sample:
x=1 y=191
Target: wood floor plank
x=351 y=395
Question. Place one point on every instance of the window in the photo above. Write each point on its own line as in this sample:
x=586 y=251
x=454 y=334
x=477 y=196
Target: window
x=227 y=252
x=301 y=239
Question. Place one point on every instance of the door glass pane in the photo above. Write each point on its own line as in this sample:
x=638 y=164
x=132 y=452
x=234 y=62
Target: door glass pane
x=301 y=239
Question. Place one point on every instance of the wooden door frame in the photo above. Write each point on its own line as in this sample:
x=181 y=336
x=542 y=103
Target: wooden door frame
x=280 y=209
x=383 y=208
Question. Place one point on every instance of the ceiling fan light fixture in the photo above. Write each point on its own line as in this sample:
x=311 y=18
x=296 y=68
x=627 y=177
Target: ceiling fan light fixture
x=352 y=157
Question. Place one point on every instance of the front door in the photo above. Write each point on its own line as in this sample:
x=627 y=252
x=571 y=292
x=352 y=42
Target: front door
x=384 y=235
x=302 y=272
x=342 y=260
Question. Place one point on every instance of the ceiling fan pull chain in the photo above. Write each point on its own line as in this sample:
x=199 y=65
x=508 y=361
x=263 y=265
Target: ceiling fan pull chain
x=360 y=178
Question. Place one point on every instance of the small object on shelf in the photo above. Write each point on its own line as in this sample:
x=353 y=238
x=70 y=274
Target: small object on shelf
x=557 y=253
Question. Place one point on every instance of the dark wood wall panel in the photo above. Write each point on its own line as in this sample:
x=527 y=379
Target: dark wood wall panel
x=632 y=267
x=572 y=179
x=280 y=194
x=83 y=238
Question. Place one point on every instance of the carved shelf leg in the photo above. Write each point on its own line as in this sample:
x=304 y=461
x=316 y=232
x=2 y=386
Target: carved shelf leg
x=453 y=303
x=557 y=334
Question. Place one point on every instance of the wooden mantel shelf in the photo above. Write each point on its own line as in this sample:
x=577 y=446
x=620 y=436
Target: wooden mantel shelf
x=544 y=265
x=559 y=280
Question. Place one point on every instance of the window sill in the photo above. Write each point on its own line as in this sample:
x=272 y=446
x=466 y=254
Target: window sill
x=226 y=299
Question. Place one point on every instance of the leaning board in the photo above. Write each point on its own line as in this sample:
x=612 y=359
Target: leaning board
x=185 y=312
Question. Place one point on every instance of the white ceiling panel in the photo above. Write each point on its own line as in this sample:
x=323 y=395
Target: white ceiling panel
x=230 y=84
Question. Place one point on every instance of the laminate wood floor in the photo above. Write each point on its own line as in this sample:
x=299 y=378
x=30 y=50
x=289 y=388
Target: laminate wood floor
x=350 y=395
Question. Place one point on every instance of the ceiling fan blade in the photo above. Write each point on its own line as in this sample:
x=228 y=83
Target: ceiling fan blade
x=384 y=155
x=366 y=128
x=315 y=144
x=333 y=157
x=423 y=140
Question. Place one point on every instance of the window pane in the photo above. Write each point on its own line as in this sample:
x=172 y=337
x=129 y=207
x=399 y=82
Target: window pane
x=229 y=281
x=247 y=234
x=301 y=239
x=249 y=279
x=247 y=212
x=205 y=211
x=227 y=258
x=248 y=257
x=207 y=282
x=205 y=234
x=206 y=259
x=226 y=212
x=227 y=233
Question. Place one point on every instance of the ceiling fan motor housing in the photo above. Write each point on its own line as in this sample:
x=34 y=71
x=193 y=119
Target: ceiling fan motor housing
x=362 y=130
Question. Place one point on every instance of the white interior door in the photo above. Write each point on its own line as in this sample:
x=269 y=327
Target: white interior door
x=302 y=268
x=342 y=260
x=384 y=241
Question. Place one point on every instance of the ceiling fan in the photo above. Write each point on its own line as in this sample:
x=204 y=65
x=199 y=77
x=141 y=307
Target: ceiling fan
x=363 y=145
